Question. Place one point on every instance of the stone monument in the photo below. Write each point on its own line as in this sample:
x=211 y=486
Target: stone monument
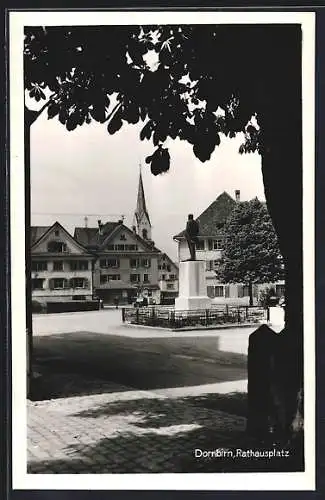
x=192 y=285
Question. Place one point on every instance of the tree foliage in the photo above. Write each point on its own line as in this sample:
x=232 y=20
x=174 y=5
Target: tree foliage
x=251 y=252
x=190 y=82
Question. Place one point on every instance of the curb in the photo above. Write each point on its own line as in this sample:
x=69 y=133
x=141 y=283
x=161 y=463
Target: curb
x=189 y=329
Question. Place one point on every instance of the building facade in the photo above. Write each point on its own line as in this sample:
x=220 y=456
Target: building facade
x=110 y=262
x=168 y=279
x=61 y=266
x=128 y=264
x=209 y=249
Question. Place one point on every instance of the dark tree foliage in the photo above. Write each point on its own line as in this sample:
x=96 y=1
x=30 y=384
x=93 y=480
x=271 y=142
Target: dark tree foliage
x=209 y=81
x=251 y=252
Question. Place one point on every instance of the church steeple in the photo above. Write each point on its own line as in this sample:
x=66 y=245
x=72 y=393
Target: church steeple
x=142 y=219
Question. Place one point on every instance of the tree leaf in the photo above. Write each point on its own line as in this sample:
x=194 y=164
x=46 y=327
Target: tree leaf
x=114 y=124
x=98 y=113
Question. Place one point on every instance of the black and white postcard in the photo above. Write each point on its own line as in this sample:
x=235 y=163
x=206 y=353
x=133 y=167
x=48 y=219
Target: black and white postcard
x=162 y=250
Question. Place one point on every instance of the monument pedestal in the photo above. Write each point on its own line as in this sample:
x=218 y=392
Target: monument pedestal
x=192 y=286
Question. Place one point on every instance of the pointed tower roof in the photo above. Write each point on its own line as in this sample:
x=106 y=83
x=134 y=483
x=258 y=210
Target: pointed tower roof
x=141 y=208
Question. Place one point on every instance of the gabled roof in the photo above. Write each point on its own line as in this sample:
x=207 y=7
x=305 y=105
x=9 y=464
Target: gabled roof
x=164 y=255
x=39 y=233
x=36 y=232
x=96 y=240
x=214 y=216
x=92 y=237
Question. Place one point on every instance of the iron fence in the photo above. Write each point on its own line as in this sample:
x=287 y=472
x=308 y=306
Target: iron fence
x=169 y=318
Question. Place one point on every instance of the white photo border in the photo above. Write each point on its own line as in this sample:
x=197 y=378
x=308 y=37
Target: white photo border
x=230 y=481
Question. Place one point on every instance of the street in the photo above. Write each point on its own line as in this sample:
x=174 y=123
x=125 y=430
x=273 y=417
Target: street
x=114 y=398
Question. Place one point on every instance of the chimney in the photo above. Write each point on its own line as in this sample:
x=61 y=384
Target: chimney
x=237 y=195
x=100 y=225
x=120 y=221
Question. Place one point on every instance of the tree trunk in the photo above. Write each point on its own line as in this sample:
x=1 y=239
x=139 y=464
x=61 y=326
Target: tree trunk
x=281 y=123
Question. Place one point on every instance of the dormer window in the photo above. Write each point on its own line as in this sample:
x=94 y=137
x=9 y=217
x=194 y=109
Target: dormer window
x=56 y=247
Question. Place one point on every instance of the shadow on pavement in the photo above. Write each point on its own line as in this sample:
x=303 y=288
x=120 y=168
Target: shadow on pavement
x=82 y=363
x=158 y=440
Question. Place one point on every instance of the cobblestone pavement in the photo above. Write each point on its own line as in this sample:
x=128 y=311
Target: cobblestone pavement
x=133 y=400
x=133 y=431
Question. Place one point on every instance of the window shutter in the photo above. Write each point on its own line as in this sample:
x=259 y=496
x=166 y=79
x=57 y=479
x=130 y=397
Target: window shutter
x=227 y=291
x=210 y=292
x=51 y=283
x=86 y=283
x=67 y=283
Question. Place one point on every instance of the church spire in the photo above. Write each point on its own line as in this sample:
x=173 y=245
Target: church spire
x=141 y=213
x=141 y=208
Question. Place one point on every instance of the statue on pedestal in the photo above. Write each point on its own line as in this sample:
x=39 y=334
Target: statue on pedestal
x=191 y=234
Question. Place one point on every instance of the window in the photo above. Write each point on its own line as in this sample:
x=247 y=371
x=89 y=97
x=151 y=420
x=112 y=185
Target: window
x=79 y=265
x=218 y=291
x=39 y=265
x=134 y=263
x=146 y=263
x=144 y=234
x=163 y=276
x=280 y=290
x=216 y=263
x=172 y=276
x=106 y=278
x=37 y=284
x=146 y=278
x=59 y=283
x=170 y=286
x=210 y=244
x=123 y=237
x=217 y=244
x=105 y=263
x=163 y=266
x=58 y=265
x=245 y=291
x=119 y=247
x=56 y=232
x=200 y=245
x=131 y=247
x=78 y=282
x=56 y=247
x=215 y=291
x=168 y=267
x=110 y=247
x=134 y=278
x=209 y=265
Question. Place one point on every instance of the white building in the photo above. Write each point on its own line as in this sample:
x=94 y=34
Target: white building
x=61 y=266
x=209 y=249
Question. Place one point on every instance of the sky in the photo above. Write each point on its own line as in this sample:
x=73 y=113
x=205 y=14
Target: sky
x=87 y=172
